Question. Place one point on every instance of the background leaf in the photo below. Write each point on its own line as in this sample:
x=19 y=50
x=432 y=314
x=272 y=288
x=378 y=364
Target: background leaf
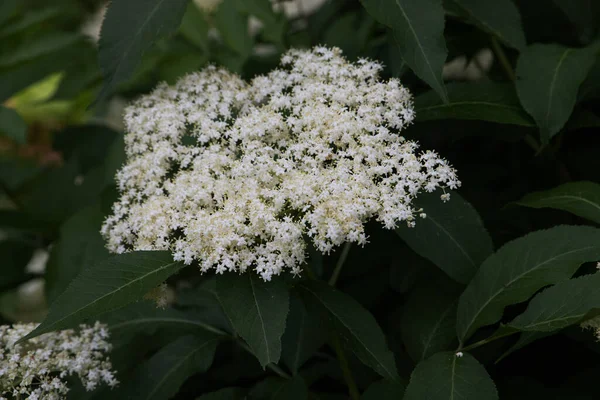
x=107 y=286
x=520 y=268
x=579 y=198
x=549 y=76
x=484 y=101
x=428 y=323
x=418 y=27
x=257 y=310
x=129 y=29
x=357 y=327
x=501 y=18
x=161 y=376
x=445 y=376
x=12 y=125
x=452 y=236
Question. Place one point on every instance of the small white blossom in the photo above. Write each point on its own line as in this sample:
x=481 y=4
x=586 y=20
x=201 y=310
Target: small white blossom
x=459 y=354
x=37 y=368
x=235 y=176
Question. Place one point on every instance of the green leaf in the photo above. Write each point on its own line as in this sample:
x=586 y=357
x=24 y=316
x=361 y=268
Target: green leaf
x=418 y=27
x=384 y=390
x=452 y=236
x=501 y=18
x=162 y=375
x=109 y=285
x=428 y=323
x=46 y=44
x=566 y=303
x=357 y=327
x=446 y=376
x=15 y=255
x=579 y=198
x=484 y=101
x=129 y=29
x=194 y=27
x=303 y=335
x=233 y=27
x=12 y=125
x=257 y=310
x=274 y=24
x=522 y=267
x=549 y=77
x=280 y=389
x=224 y=394
x=80 y=245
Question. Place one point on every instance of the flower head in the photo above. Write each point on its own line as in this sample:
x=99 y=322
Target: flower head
x=37 y=368
x=235 y=176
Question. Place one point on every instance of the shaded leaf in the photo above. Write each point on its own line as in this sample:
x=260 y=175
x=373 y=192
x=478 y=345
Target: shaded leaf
x=109 y=285
x=549 y=77
x=501 y=18
x=257 y=310
x=80 y=245
x=14 y=256
x=384 y=390
x=280 y=389
x=485 y=101
x=224 y=394
x=418 y=27
x=194 y=27
x=561 y=305
x=161 y=376
x=303 y=335
x=130 y=28
x=445 y=376
x=357 y=327
x=452 y=236
x=579 y=198
x=522 y=267
x=46 y=44
x=12 y=125
x=233 y=27
x=428 y=323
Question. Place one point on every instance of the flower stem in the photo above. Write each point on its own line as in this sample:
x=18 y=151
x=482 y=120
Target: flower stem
x=339 y=351
x=338 y=267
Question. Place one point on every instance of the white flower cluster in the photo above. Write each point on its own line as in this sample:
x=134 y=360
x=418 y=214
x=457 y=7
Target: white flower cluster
x=36 y=369
x=237 y=175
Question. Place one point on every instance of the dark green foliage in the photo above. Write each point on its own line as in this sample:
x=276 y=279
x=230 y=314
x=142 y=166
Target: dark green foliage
x=489 y=290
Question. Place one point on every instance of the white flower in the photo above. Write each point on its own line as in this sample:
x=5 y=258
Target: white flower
x=36 y=369
x=236 y=176
x=207 y=5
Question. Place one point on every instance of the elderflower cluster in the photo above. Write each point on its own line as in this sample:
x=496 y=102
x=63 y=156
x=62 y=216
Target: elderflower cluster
x=37 y=369
x=237 y=175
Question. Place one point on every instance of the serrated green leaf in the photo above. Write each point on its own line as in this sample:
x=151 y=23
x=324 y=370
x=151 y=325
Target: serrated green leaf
x=561 y=305
x=129 y=29
x=452 y=236
x=12 y=125
x=107 y=286
x=384 y=390
x=80 y=245
x=303 y=335
x=485 y=101
x=446 y=376
x=548 y=79
x=257 y=311
x=579 y=198
x=161 y=376
x=428 y=323
x=356 y=326
x=522 y=267
x=501 y=18
x=418 y=27
x=280 y=389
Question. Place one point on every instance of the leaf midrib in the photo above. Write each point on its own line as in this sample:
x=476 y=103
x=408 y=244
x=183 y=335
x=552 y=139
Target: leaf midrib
x=350 y=330
x=434 y=329
x=569 y=196
x=49 y=327
x=462 y=250
x=513 y=281
x=553 y=82
x=262 y=322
